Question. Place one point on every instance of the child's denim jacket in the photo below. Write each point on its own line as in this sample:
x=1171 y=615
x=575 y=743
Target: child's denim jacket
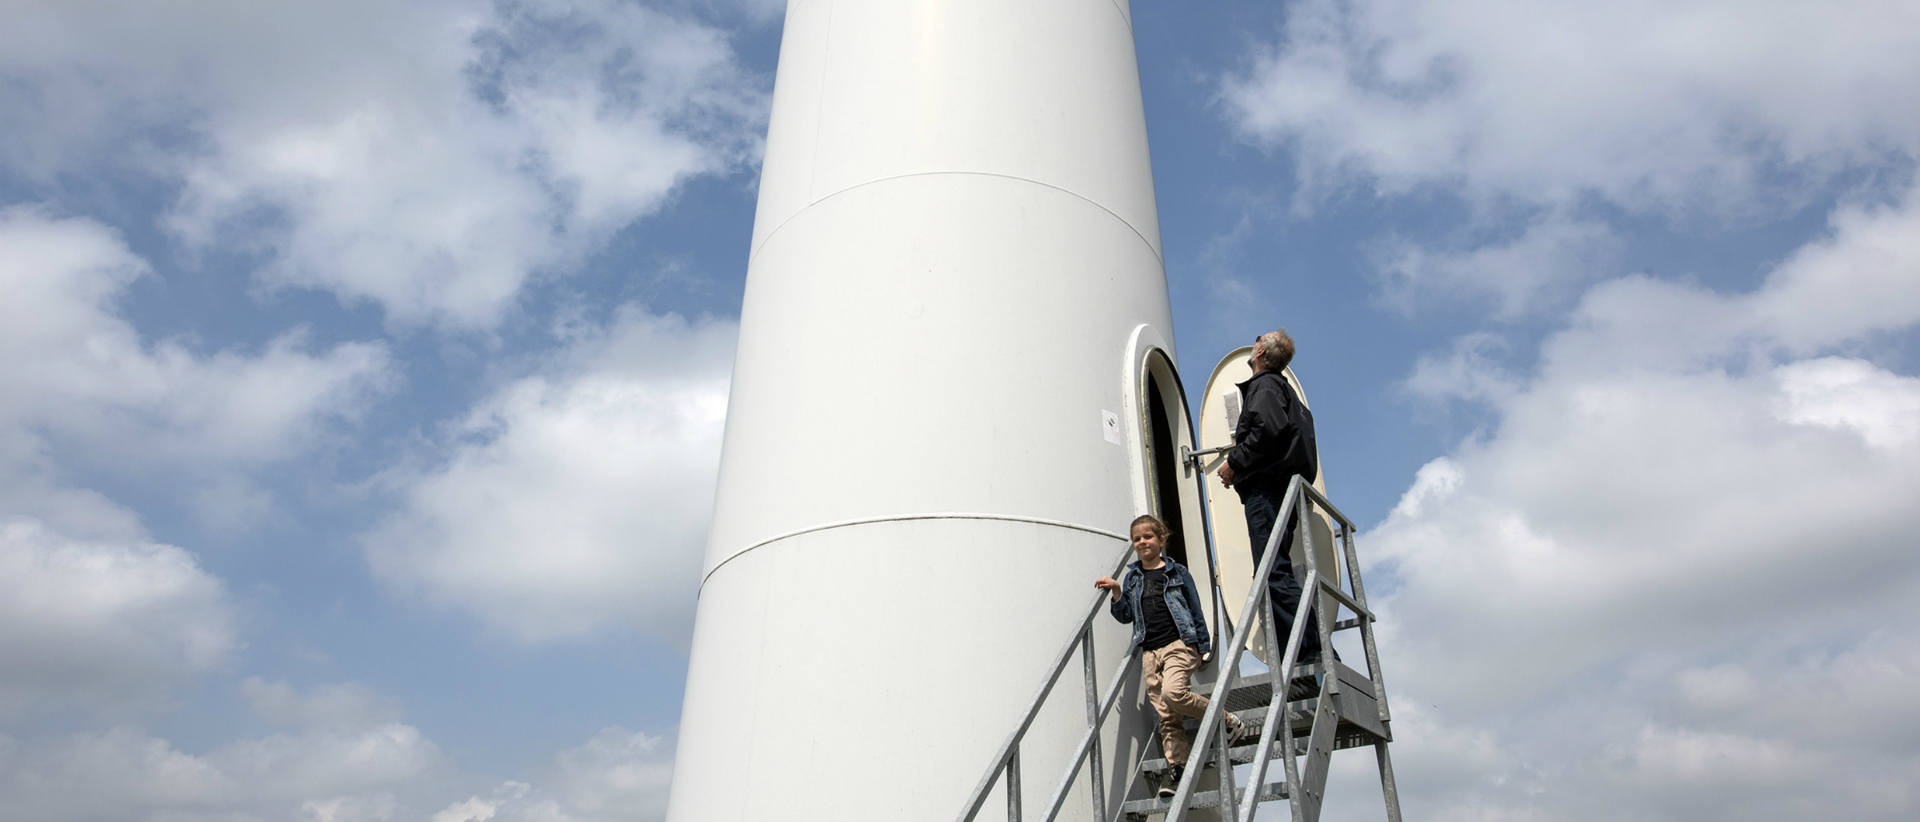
x=1183 y=602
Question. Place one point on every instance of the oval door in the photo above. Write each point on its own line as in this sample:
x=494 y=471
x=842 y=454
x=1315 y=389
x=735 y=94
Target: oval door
x=1170 y=491
x=1219 y=414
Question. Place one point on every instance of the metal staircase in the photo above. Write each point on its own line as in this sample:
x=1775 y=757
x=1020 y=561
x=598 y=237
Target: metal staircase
x=1328 y=706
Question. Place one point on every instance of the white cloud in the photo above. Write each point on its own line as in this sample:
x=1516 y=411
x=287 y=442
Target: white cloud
x=1721 y=105
x=99 y=615
x=577 y=498
x=85 y=389
x=330 y=774
x=1883 y=408
x=101 y=625
x=346 y=771
x=1863 y=277
x=328 y=762
x=1541 y=267
x=618 y=776
x=1569 y=129
x=1858 y=282
x=351 y=762
x=1676 y=580
x=429 y=157
x=1470 y=371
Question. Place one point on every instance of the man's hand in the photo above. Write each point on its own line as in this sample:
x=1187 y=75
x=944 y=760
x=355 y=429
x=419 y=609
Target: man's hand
x=1226 y=474
x=1109 y=584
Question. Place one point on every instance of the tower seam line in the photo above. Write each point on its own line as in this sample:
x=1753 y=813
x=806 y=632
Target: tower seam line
x=827 y=526
x=1070 y=192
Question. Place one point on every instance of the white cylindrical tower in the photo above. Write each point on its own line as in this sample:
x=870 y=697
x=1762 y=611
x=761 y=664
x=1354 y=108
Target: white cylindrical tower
x=955 y=276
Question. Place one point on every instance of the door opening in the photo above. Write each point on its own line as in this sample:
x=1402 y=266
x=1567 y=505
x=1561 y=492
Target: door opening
x=1166 y=472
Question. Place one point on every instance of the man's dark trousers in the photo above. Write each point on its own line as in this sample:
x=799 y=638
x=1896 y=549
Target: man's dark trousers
x=1283 y=589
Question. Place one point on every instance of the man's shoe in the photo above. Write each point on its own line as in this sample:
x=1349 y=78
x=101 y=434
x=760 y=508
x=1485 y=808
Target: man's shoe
x=1170 y=784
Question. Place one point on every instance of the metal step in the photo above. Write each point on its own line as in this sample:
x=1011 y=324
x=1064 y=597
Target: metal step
x=1354 y=702
x=1302 y=716
x=1141 y=808
x=1257 y=690
x=1240 y=755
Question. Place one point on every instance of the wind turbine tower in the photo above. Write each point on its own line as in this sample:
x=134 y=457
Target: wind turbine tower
x=937 y=433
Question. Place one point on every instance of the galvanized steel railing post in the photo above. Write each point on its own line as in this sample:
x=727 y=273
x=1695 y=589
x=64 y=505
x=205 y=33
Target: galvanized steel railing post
x=1086 y=740
x=1093 y=726
x=1366 y=625
x=1224 y=764
x=1387 y=788
x=1013 y=786
x=1323 y=621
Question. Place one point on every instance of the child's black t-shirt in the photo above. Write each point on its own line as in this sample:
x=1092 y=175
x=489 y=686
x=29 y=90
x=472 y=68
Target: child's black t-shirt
x=1160 y=630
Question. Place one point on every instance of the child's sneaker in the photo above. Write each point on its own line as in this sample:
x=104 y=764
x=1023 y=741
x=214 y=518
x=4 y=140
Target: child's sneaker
x=1239 y=731
x=1170 y=784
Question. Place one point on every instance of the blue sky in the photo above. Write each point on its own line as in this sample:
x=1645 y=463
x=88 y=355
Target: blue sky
x=364 y=366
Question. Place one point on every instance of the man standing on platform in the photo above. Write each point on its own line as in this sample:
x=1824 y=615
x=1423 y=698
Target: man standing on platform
x=1273 y=442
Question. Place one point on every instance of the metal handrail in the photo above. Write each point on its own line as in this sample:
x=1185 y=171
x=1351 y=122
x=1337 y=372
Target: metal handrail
x=1090 y=741
x=1278 y=720
x=1284 y=665
x=1007 y=760
x=1210 y=722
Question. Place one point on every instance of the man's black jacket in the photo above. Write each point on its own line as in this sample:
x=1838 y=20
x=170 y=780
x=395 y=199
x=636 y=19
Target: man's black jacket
x=1274 y=439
